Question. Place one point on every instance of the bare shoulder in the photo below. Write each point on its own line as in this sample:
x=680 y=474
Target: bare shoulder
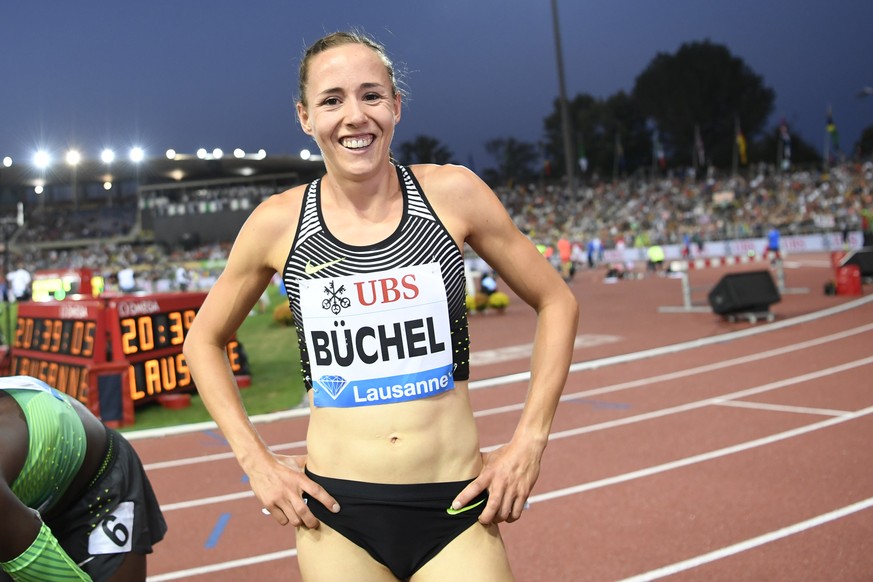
x=447 y=180
x=276 y=210
x=269 y=230
x=458 y=195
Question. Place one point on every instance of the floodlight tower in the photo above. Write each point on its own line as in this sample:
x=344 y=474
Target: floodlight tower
x=107 y=156
x=565 y=115
x=73 y=158
x=137 y=155
x=41 y=160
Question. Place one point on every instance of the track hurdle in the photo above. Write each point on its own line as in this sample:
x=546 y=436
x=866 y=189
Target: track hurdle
x=681 y=269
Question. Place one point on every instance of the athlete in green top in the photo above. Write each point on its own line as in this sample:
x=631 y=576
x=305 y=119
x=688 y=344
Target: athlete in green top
x=75 y=501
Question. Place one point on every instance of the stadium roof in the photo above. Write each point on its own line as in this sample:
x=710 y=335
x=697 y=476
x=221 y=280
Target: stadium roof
x=160 y=170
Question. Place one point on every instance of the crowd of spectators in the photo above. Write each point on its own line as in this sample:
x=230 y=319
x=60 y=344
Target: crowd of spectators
x=67 y=224
x=208 y=200
x=668 y=210
x=629 y=212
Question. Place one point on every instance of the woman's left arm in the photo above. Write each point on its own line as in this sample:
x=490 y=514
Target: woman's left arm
x=510 y=472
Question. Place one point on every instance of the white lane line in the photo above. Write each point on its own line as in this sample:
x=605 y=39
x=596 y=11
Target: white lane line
x=662 y=412
x=207 y=501
x=694 y=459
x=589 y=365
x=782 y=408
x=179 y=574
x=214 y=457
x=640 y=418
x=753 y=542
x=680 y=347
x=648 y=381
x=577 y=395
x=559 y=493
x=523 y=351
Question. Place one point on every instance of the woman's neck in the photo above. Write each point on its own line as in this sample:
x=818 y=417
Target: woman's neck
x=369 y=196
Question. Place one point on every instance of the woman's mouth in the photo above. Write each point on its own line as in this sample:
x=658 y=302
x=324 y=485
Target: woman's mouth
x=357 y=142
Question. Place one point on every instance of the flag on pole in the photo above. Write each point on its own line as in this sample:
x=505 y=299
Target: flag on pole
x=741 y=145
x=698 y=146
x=785 y=137
x=658 y=150
x=832 y=131
x=583 y=159
x=619 y=151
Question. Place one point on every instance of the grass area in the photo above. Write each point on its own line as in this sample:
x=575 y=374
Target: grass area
x=274 y=364
x=8 y=317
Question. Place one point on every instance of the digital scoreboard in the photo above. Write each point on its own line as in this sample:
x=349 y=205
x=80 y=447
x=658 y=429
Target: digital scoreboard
x=85 y=346
x=151 y=331
x=58 y=343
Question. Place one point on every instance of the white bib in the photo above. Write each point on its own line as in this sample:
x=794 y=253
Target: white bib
x=377 y=338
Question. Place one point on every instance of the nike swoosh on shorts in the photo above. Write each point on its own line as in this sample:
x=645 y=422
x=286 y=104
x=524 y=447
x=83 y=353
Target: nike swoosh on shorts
x=453 y=511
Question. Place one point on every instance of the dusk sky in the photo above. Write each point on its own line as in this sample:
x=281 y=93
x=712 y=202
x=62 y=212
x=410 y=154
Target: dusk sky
x=185 y=74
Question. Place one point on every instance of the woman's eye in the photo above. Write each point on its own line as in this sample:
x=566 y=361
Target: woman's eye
x=330 y=101
x=372 y=97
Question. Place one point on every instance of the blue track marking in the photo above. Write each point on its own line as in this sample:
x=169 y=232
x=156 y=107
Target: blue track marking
x=216 y=436
x=217 y=531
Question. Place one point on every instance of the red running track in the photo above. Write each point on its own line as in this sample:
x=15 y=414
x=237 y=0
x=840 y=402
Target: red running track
x=686 y=447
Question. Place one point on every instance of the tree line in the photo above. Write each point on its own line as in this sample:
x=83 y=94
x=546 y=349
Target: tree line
x=701 y=107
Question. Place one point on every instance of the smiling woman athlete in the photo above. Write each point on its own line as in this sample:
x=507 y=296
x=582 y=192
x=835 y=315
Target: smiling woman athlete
x=393 y=485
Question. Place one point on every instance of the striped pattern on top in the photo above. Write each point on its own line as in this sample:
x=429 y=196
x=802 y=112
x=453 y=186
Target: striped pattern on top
x=57 y=447
x=419 y=239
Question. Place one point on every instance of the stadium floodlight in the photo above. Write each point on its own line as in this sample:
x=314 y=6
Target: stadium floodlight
x=107 y=185
x=38 y=189
x=201 y=154
x=171 y=154
x=7 y=162
x=107 y=155
x=262 y=153
x=73 y=157
x=137 y=154
x=305 y=154
x=239 y=153
x=42 y=159
x=217 y=153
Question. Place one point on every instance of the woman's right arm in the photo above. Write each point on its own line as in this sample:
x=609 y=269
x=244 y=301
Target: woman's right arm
x=276 y=480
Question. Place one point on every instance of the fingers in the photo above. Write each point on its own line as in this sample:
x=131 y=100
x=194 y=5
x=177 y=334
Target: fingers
x=506 y=508
x=505 y=503
x=468 y=493
x=294 y=509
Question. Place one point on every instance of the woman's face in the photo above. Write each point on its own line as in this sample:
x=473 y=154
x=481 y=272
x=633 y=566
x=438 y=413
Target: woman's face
x=351 y=108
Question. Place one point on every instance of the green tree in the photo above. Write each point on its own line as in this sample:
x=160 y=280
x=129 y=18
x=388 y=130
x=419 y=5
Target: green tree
x=703 y=85
x=516 y=161
x=424 y=149
x=864 y=147
x=611 y=131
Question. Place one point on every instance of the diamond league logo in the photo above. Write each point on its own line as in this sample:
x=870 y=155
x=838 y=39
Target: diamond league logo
x=333 y=385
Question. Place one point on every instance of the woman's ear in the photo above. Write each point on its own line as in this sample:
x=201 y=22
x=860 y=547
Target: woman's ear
x=303 y=117
x=397 y=107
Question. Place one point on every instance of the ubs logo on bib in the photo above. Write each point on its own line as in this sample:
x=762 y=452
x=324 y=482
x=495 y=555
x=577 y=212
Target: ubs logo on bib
x=335 y=302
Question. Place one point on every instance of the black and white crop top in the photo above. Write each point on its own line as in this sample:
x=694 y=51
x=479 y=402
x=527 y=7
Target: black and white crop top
x=379 y=323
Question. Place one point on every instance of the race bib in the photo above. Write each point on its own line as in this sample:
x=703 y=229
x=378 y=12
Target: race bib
x=377 y=338
x=113 y=535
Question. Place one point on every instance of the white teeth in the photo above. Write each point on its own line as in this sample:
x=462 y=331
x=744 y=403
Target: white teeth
x=357 y=142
